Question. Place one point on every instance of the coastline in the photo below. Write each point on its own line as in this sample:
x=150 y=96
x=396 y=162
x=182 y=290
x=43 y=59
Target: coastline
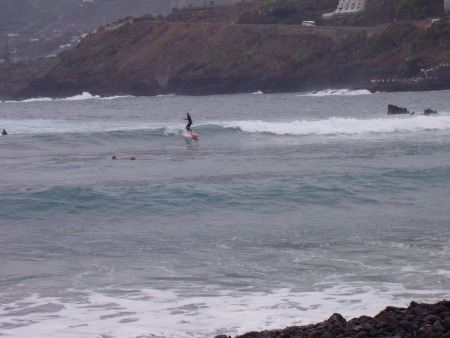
x=65 y=92
x=417 y=320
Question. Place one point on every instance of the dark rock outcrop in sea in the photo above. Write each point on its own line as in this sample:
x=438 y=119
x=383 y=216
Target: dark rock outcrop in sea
x=395 y=110
x=429 y=112
x=418 y=320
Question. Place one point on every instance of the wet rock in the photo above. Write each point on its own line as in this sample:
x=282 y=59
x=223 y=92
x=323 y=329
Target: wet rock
x=336 y=318
x=337 y=329
x=438 y=309
x=429 y=112
x=403 y=323
x=437 y=326
x=395 y=110
x=432 y=318
x=367 y=327
x=373 y=332
x=446 y=322
x=418 y=320
x=444 y=314
x=364 y=319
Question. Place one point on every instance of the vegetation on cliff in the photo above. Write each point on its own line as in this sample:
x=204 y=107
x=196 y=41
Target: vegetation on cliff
x=295 y=11
x=385 y=11
x=16 y=77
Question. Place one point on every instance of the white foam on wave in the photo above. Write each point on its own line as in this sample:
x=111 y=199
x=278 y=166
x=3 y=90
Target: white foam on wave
x=341 y=92
x=39 y=127
x=201 y=313
x=259 y=92
x=52 y=126
x=343 y=126
x=115 y=97
x=43 y=99
x=327 y=127
x=81 y=97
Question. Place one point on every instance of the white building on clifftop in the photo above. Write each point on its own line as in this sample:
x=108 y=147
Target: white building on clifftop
x=346 y=7
x=447 y=5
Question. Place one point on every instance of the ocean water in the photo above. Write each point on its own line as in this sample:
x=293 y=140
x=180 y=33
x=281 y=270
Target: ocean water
x=287 y=208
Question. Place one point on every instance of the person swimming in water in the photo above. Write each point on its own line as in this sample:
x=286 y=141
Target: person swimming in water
x=188 y=126
x=4 y=132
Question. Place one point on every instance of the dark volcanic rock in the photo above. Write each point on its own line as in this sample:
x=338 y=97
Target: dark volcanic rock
x=418 y=320
x=394 y=110
x=430 y=112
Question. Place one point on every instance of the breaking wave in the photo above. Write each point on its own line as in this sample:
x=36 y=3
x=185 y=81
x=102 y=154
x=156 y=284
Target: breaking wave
x=332 y=126
x=343 y=126
x=164 y=311
x=330 y=92
x=80 y=97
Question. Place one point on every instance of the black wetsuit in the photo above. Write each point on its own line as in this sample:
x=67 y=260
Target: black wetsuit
x=188 y=126
x=4 y=132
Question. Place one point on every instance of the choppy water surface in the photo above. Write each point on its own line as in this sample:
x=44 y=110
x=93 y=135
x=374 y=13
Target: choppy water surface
x=287 y=208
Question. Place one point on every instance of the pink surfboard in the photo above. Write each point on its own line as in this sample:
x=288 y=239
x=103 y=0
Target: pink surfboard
x=191 y=133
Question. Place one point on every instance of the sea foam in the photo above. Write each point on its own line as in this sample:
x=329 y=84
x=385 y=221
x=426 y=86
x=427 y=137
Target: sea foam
x=201 y=313
x=325 y=127
x=343 y=126
x=341 y=92
x=80 y=97
x=39 y=127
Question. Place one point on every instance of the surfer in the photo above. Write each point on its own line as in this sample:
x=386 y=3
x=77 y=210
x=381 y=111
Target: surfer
x=4 y=132
x=114 y=158
x=188 y=126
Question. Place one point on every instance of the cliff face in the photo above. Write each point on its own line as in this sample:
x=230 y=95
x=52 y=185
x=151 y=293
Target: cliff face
x=148 y=58
x=208 y=50
x=16 y=77
x=157 y=57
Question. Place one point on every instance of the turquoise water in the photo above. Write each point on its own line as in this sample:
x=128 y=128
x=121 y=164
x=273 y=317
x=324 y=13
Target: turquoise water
x=287 y=208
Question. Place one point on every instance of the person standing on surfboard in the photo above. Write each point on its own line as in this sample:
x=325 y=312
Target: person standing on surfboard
x=188 y=126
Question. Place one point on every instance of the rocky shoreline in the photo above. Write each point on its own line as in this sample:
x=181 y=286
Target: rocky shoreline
x=417 y=320
x=213 y=85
